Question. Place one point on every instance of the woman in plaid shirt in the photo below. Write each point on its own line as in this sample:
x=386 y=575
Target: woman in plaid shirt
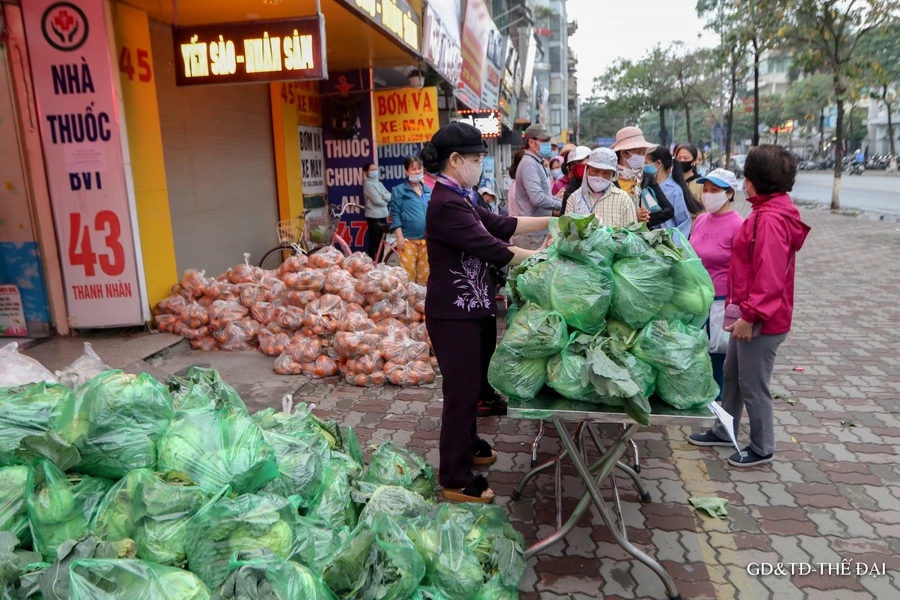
x=597 y=195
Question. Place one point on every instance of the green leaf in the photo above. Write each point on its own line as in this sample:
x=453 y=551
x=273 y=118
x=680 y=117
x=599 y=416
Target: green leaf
x=715 y=507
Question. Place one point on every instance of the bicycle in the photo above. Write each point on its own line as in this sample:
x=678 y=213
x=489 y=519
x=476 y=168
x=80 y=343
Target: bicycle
x=306 y=235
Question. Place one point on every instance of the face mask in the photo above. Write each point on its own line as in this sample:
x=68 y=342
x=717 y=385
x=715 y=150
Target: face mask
x=598 y=184
x=470 y=173
x=579 y=171
x=746 y=191
x=686 y=165
x=649 y=170
x=373 y=174
x=713 y=201
x=556 y=173
x=635 y=161
x=417 y=178
x=546 y=149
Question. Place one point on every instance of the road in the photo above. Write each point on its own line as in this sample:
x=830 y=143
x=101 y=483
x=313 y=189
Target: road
x=874 y=192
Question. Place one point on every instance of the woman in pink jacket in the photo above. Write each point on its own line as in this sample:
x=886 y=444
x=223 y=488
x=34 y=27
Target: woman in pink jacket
x=761 y=288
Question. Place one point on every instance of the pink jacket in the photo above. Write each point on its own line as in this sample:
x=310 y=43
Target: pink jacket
x=761 y=275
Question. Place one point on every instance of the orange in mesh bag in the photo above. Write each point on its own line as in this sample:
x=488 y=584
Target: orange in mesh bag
x=350 y=345
x=285 y=365
x=338 y=280
x=396 y=308
x=205 y=344
x=416 y=296
x=263 y=312
x=173 y=305
x=293 y=264
x=365 y=380
x=273 y=344
x=223 y=290
x=323 y=367
x=194 y=282
x=195 y=334
x=390 y=327
x=415 y=373
x=381 y=283
x=354 y=318
x=194 y=316
x=299 y=299
x=304 y=349
x=251 y=293
x=367 y=364
x=401 y=349
x=322 y=315
x=358 y=264
x=288 y=317
x=306 y=280
x=245 y=273
x=419 y=332
x=326 y=257
x=237 y=336
x=166 y=323
x=223 y=312
x=351 y=296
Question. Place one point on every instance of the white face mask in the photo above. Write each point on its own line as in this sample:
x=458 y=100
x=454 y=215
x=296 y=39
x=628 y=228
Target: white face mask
x=470 y=173
x=635 y=161
x=598 y=184
x=713 y=201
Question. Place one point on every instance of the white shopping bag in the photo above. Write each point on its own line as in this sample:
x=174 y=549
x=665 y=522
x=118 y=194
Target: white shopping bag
x=718 y=337
x=726 y=420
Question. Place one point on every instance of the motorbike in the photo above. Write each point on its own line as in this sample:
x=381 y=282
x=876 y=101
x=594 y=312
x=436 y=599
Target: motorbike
x=857 y=169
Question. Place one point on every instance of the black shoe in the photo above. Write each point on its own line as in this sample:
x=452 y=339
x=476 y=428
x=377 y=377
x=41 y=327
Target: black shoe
x=749 y=458
x=495 y=408
x=706 y=439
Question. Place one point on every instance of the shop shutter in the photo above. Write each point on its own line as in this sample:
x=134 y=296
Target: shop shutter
x=220 y=166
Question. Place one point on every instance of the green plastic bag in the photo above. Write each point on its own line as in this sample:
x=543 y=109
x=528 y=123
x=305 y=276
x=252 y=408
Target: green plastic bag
x=335 y=504
x=692 y=287
x=680 y=354
x=583 y=238
x=564 y=371
x=641 y=286
x=314 y=542
x=512 y=279
x=395 y=502
x=201 y=387
x=54 y=583
x=450 y=567
x=34 y=412
x=130 y=579
x=377 y=562
x=126 y=416
x=609 y=369
x=13 y=516
x=514 y=376
x=53 y=509
x=429 y=593
x=228 y=525
x=495 y=590
x=153 y=510
x=534 y=284
x=630 y=243
x=536 y=332
x=581 y=293
x=300 y=459
x=298 y=419
x=260 y=575
x=217 y=446
x=497 y=545
x=13 y=565
x=394 y=465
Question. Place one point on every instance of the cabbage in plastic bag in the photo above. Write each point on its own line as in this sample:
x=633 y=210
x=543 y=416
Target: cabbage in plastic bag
x=54 y=512
x=515 y=376
x=216 y=446
x=536 y=332
x=202 y=387
x=300 y=459
x=126 y=415
x=335 y=505
x=13 y=566
x=228 y=525
x=680 y=354
x=693 y=289
x=396 y=502
x=583 y=238
x=260 y=575
x=564 y=371
x=43 y=416
x=54 y=583
x=450 y=567
x=394 y=465
x=13 y=517
x=153 y=510
x=641 y=286
x=533 y=285
x=581 y=293
x=100 y=579
x=18 y=369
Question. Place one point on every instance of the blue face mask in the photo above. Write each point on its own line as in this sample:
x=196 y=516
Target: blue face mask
x=417 y=178
x=546 y=149
x=649 y=170
x=556 y=173
x=373 y=174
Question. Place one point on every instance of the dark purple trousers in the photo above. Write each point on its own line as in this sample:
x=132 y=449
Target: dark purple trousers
x=464 y=349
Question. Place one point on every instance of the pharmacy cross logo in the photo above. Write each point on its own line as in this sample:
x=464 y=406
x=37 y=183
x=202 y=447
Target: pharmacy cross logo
x=65 y=27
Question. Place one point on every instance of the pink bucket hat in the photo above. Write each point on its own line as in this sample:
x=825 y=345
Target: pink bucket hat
x=630 y=138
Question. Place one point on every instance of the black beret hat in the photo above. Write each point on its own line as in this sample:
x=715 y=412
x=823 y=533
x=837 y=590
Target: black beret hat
x=458 y=137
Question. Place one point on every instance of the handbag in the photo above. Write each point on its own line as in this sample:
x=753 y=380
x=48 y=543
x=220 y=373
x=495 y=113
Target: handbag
x=718 y=337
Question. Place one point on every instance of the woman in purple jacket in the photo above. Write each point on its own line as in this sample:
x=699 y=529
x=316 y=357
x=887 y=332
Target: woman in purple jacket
x=460 y=309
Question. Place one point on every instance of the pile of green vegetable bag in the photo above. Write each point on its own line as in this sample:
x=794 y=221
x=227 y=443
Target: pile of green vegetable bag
x=127 y=488
x=608 y=316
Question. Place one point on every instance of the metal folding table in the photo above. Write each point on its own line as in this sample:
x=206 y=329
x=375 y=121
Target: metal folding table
x=561 y=411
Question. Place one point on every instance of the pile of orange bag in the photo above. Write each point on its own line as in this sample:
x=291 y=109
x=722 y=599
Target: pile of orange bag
x=320 y=316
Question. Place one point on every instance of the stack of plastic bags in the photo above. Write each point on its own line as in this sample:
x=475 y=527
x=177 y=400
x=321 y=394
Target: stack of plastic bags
x=608 y=316
x=126 y=488
x=319 y=316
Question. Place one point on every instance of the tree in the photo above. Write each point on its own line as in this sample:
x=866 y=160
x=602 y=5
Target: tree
x=689 y=70
x=879 y=55
x=603 y=119
x=807 y=100
x=640 y=87
x=827 y=34
x=754 y=22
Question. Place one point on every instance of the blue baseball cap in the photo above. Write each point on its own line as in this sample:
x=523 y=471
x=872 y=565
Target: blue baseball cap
x=722 y=178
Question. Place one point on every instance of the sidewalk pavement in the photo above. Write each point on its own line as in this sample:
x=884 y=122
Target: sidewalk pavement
x=832 y=494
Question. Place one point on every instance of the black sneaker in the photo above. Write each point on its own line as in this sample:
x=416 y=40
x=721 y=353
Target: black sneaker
x=495 y=408
x=749 y=458
x=706 y=439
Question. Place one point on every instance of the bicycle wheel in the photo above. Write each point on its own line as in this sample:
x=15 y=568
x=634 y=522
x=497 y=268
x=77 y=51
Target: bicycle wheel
x=390 y=256
x=273 y=259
